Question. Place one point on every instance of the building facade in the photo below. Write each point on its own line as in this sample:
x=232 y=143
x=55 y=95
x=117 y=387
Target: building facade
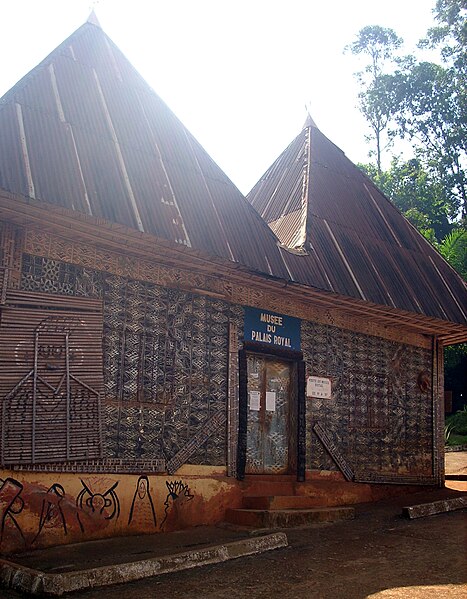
x=164 y=352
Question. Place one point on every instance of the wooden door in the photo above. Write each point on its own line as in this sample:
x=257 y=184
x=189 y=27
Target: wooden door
x=269 y=415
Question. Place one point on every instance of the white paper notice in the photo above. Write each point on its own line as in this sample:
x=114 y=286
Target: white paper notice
x=271 y=401
x=319 y=387
x=254 y=400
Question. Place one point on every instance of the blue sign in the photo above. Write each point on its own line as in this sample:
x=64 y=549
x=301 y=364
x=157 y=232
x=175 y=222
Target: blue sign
x=276 y=330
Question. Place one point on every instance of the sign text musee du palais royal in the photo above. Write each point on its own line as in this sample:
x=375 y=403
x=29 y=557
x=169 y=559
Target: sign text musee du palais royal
x=277 y=330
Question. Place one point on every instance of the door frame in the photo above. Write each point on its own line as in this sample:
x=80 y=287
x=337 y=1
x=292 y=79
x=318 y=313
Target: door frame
x=296 y=358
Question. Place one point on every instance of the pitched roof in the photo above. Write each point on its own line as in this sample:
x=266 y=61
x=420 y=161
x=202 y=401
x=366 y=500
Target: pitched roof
x=84 y=131
x=317 y=201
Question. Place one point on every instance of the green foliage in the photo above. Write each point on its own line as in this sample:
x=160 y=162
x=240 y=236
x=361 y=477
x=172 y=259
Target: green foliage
x=424 y=102
x=454 y=249
x=457 y=423
x=428 y=105
x=454 y=440
x=450 y=33
x=418 y=193
x=455 y=429
x=447 y=433
x=454 y=355
x=378 y=44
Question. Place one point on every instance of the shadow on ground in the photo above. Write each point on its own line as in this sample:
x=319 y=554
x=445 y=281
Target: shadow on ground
x=379 y=555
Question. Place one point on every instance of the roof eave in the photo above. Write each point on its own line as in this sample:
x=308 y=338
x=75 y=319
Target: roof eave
x=25 y=211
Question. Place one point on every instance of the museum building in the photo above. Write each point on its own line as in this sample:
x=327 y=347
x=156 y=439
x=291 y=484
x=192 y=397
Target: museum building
x=171 y=351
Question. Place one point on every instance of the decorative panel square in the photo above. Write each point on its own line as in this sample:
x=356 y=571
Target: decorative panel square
x=379 y=417
x=50 y=378
x=165 y=361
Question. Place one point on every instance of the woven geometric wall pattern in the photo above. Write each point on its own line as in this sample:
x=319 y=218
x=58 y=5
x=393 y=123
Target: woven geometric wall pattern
x=165 y=360
x=378 y=416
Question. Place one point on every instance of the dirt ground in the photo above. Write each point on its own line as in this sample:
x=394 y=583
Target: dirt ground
x=379 y=555
x=456 y=462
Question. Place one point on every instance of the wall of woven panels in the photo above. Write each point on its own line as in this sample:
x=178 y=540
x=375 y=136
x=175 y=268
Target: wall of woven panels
x=165 y=360
x=378 y=417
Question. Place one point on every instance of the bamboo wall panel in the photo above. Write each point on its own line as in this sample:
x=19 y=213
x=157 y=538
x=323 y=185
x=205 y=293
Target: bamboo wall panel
x=11 y=240
x=235 y=336
x=165 y=361
x=166 y=369
x=438 y=411
x=50 y=378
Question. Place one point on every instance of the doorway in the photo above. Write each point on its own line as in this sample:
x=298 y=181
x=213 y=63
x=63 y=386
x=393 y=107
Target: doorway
x=271 y=415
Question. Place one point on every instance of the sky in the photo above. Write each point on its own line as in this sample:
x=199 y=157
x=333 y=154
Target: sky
x=239 y=74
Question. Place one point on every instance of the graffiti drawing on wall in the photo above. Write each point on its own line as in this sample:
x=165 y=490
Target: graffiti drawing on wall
x=11 y=504
x=52 y=512
x=105 y=504
x=178 y=494
x=142 y=504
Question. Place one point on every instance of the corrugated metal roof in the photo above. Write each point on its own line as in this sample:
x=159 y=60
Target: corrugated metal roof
x=356 y=239
x=84 y=131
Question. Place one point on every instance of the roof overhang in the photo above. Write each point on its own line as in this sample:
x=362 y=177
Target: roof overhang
x=27 y=212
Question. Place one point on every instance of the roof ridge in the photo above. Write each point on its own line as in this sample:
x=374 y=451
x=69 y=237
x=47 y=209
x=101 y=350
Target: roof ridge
x=304 y=233
x=93 y=20
x=21 y=84
x=309 y=122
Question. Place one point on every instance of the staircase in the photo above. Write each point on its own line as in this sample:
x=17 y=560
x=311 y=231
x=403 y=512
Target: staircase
x=275 y=502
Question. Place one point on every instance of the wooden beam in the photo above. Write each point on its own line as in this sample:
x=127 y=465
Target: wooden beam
x=126 y=241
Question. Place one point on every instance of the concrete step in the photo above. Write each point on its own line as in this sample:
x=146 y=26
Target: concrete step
x=435 y=507
x=290 y=518
x=279 y=502
x=41 y=582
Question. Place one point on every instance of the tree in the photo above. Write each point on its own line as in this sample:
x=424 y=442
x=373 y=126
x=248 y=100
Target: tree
x=378 y=44
x=429 y=102
x=418 y=194
x=451 y=32
x=427 y=106
x=422 y=101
